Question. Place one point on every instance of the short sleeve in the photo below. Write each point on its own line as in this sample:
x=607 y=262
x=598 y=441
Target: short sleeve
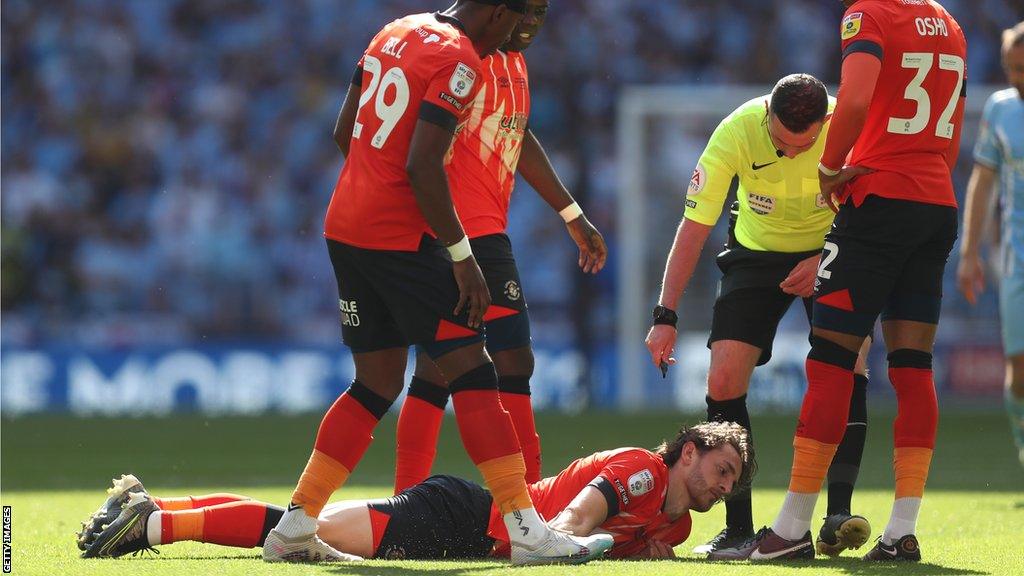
x=632 y=482
x=988 y=148
x=711 y=179
x=861 y=31
x=450 y=92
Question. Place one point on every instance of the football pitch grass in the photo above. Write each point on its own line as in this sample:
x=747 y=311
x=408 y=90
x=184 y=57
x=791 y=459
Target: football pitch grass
x=55 y=470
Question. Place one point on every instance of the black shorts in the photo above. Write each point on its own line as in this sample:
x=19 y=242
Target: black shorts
x=393 y=299
x=507 y=321
x=750 y=303
x=441 y=517
x=884 y=257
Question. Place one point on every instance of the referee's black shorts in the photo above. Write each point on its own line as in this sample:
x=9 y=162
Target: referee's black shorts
x=443 y=517
x=750 y=303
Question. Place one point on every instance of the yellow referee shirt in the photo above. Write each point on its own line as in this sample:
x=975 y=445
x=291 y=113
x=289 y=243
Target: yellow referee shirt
x=781 y=208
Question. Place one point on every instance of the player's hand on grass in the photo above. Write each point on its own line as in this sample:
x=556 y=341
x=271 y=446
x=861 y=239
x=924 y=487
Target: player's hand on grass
x=473 y=293
x=970 y=277
x=661 y=342
x=593 y=251
x=800 y=281
x=832 y=186
x=657 y=549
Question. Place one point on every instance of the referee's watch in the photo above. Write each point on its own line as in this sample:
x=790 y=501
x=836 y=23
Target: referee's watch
x=665 y=316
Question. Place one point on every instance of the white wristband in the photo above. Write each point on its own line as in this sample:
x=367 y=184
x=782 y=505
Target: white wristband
x=826 y=170
x=571 y=212
x=460 y=250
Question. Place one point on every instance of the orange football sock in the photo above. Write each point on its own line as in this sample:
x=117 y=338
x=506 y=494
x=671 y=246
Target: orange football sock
x=344 y=435
x=239 y=524
x=193 y=502
x=515 y=398
x=419 y=424
x=811 y=460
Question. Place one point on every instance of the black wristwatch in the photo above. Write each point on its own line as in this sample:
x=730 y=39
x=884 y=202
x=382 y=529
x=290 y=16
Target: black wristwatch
x=665 y=316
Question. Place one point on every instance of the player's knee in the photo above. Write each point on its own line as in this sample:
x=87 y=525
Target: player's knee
x=726 y=385
x=516 y=362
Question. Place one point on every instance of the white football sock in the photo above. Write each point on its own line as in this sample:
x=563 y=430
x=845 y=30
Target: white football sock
x=903 y=519
x=525 y=527
x=295 y=523
x=154 y=528
x=794 y=519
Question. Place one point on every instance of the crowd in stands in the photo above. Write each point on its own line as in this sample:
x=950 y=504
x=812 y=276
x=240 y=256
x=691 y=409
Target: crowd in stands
x=167 y=163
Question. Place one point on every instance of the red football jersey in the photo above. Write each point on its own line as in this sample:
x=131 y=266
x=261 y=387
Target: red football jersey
x=482 y=163
x=916 y=106
x=422 y=65
x=640 y=480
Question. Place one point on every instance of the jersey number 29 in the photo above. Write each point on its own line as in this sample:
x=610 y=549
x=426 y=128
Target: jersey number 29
x=923 y=63
x=389 y=114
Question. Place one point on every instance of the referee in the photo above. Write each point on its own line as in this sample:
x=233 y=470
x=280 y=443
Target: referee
x=772 y=144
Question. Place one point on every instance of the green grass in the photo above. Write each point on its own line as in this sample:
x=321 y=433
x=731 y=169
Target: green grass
x=54 y=471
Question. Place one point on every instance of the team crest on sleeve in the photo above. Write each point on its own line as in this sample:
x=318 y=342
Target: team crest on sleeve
x=462 y=80
x=641 y=483
x=851 y=25
x=697 y=181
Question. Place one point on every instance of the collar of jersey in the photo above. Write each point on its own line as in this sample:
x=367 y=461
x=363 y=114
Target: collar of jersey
x=450 y=20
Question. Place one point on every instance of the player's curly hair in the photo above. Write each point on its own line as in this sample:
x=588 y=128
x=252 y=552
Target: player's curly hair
x=710 y=435
x=799 y=100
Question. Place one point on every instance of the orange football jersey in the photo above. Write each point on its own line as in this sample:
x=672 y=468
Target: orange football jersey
x=419 y=66
x=482 y=164
x=640 y=480
x=916 y=108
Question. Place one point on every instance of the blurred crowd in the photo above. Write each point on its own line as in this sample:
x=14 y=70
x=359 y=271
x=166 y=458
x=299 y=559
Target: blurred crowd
x=167 y=163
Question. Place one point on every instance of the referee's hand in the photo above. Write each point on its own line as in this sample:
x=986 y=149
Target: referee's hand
x=661 y=342
x=473 y=293
x=800 y=281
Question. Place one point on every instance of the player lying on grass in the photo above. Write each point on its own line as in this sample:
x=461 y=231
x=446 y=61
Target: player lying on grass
x=642 y=498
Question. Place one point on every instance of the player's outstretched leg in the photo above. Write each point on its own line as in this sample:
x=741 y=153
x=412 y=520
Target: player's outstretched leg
x=127 y=533
x=842 y=529
x=343 y=437
x=917 y=415
x=490 y=439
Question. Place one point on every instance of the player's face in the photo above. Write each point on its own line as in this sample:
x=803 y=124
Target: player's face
x=713 y=477
x=499 y=29
x=792 y=144
x=1013 y=63
x=526 y=31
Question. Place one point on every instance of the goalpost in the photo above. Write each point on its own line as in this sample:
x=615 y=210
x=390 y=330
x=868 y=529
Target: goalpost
x=660 y=134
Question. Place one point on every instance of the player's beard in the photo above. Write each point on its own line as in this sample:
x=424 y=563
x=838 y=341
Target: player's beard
x=701 y=498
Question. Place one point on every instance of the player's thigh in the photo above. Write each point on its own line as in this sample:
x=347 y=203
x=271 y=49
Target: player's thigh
x=420 y=291
x=382 y=371
x=346 y=527
x=916 y=296
x=443 y=517
x=750 y=316
x=862 y=260
x=732 y=364
x=1011 y=310
x=367 y=324
x=427 y=370
x=507 y=320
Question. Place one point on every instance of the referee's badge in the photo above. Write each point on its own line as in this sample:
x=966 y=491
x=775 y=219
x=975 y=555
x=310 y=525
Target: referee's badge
x=697 y=181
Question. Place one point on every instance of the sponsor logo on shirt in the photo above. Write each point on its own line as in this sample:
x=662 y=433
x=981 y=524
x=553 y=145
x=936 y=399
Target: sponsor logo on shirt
x=851 y=25
x=697 y=181
x=691 y=203
x=451 y=100
x=622 y=492
x=462 y=80
x=761 y=204
x=641 y=483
